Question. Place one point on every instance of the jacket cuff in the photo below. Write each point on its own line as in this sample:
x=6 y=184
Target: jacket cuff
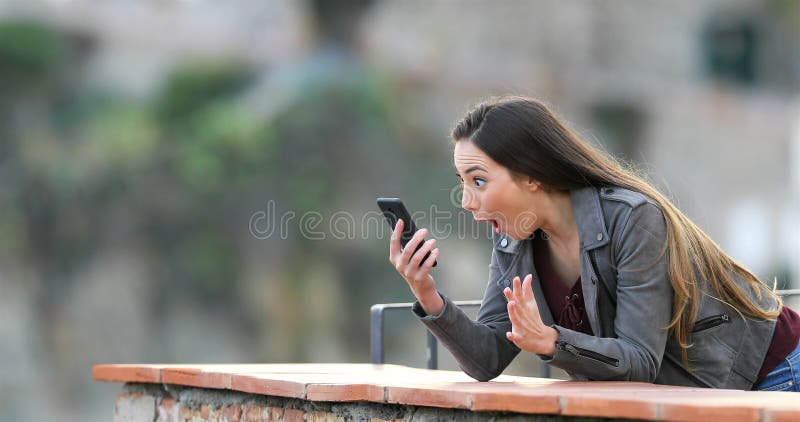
x=574 y=354
x=418 y=311
x=553 y=359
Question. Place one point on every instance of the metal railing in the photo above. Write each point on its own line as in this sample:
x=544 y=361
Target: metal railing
x=789 y=292
x=376 y=352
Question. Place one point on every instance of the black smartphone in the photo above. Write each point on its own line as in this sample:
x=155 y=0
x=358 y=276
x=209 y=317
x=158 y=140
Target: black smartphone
x=393 y=209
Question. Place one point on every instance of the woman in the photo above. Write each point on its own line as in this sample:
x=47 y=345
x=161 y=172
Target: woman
x=617 y=283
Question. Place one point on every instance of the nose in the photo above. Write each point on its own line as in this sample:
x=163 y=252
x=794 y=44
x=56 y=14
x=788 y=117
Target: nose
x=468 y=200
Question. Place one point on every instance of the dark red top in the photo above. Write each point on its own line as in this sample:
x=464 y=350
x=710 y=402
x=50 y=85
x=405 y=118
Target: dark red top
x=566 y=304
x=784 y=340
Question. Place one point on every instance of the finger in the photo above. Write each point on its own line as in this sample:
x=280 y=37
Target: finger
x=411 y=246
x=428 y=264
x=527 y=291
x=508 y=294
x=532 y=313
x=514 y=314
x=513 y=337
x=418 y=255
x=394 y=242
x=518 y=290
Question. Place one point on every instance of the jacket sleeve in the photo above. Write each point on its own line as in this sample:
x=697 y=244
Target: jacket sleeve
x=480 y=347
x=644 y=309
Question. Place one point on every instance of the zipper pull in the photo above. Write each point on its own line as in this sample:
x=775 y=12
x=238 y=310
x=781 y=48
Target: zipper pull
x=563 y=345
x=725 y=317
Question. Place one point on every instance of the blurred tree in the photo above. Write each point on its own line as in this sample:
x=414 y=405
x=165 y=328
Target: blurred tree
x=30 y=54
x=87 y=171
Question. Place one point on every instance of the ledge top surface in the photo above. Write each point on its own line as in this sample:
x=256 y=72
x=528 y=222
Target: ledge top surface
x=450 y=389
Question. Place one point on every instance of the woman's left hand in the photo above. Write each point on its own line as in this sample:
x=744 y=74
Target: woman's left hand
x=528 y=331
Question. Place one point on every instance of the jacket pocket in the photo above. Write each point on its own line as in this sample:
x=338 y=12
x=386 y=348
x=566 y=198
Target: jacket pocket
x=710 y=322
x=710 y=358
x=578 y=351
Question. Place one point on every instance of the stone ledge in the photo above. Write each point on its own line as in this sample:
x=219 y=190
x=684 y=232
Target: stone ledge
x=400 y=385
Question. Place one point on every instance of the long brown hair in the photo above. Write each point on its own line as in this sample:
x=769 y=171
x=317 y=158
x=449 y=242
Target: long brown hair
x=523 y=135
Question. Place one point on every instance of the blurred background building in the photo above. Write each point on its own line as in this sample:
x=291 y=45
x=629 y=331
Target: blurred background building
x=138 y=141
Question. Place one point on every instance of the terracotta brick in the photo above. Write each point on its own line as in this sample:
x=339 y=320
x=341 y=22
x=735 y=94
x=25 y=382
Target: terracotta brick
x=428 y=395
x=274 y=413
x=293 y=415
x=334 y=386
x=167 y=410
x=232 y=413
x=703 y=412
x=188 y=414
x=323 y=417
x=522 y=402
x=608 y=399
x=196 y=377
x=782 y=415
x=609 y=386
x=254 y=413
x=533 y=397
x=325 y=386
x=268 y=385
x=345 y=392
x=607 y=406
x=127 y=373
x=740 y=405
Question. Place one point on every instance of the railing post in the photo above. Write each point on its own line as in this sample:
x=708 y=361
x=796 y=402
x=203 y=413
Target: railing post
x=544 y=370
x=376 y=334
x=432 y=352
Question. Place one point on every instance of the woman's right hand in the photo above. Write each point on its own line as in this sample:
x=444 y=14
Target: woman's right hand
x=414 y=270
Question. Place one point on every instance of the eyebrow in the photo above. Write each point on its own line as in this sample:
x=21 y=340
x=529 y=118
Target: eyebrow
x=471 y=169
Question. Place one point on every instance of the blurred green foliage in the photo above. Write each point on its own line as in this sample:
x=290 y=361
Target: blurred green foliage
x=30 y=54
x=195 y=86
x=180 y=174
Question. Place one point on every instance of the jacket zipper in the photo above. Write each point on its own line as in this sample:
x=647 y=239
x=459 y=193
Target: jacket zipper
x=577 y=351
x=594 y=264
x=593 y=261
x=710 y=322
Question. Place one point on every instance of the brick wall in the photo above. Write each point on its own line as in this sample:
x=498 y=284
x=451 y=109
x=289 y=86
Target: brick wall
x=355 y=392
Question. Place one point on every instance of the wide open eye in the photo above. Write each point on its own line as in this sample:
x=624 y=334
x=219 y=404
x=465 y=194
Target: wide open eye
x=479 y=181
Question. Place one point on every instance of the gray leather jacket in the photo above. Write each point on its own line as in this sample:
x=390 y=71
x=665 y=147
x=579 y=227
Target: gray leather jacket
x=628 y=298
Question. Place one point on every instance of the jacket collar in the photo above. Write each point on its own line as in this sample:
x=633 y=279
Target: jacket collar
x=588 y=216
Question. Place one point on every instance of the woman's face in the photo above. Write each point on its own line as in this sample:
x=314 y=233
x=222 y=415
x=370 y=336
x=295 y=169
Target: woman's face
x=492 y=194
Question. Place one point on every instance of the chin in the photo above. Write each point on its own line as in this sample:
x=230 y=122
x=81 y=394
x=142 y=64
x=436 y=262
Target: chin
x=514 y=236
x=517 y=236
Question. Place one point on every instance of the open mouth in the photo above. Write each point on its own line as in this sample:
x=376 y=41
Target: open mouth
x=495 y=224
